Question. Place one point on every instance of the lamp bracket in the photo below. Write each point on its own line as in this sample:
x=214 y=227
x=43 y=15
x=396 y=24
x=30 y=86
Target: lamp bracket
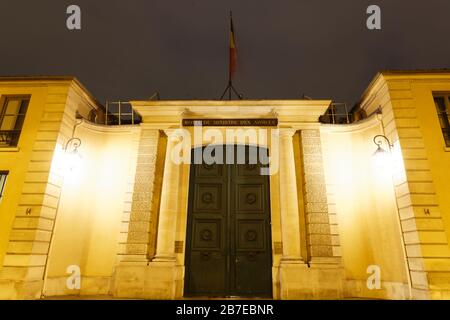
x=378 y=140
x=75 y=143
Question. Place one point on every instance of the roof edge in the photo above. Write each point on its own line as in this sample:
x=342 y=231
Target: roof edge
x=55 y=78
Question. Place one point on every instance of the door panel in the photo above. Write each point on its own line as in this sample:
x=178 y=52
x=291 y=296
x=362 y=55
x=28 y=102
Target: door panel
x=228 y=250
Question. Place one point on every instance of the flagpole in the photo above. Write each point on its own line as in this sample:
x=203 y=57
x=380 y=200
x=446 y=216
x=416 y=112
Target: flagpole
x=229 y=53
x=230 y=81
x=230 y=88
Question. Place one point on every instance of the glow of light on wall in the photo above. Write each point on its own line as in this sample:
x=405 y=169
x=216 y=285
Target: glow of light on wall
x=58 y=159
x=398 y=164
x=67 y=164
x=389 y=162
x=382 y=160
x=383 y=155
x=73 y=160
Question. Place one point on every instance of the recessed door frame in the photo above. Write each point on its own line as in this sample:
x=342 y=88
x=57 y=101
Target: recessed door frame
x=231 y=224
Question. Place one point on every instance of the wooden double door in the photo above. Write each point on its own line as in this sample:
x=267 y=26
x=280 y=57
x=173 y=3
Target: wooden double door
x=228 y=245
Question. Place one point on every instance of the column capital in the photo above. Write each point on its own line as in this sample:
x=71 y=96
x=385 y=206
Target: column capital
x=287 y=132
x=173 y=135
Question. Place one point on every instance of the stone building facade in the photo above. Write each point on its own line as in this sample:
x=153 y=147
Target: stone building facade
x=136 y=217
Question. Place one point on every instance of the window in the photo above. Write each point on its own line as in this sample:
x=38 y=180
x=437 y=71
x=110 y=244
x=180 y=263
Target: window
x=3 y=176
x=442 y=103
x=12 y=116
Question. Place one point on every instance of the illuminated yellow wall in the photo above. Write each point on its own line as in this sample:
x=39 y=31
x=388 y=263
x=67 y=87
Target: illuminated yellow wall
x=16 y=159
x=91 y=209
x=410 y=120
x=30 y=201
x=438 y=155
x=363 y=193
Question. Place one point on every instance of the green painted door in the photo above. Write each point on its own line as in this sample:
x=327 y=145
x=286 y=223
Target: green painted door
x=228 y=245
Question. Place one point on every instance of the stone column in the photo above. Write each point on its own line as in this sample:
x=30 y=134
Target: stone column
x=318 y=225
x=137 y=226
x=165 y=244
x=320 y=278
x=290 y=227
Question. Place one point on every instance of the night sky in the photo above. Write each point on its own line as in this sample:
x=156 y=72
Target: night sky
x=286 y=48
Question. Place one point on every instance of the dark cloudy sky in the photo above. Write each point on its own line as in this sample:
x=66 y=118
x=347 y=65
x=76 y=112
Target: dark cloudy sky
x=130 y=49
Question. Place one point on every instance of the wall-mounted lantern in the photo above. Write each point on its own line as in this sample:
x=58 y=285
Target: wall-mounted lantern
x=381 y=155
x=73 y=156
